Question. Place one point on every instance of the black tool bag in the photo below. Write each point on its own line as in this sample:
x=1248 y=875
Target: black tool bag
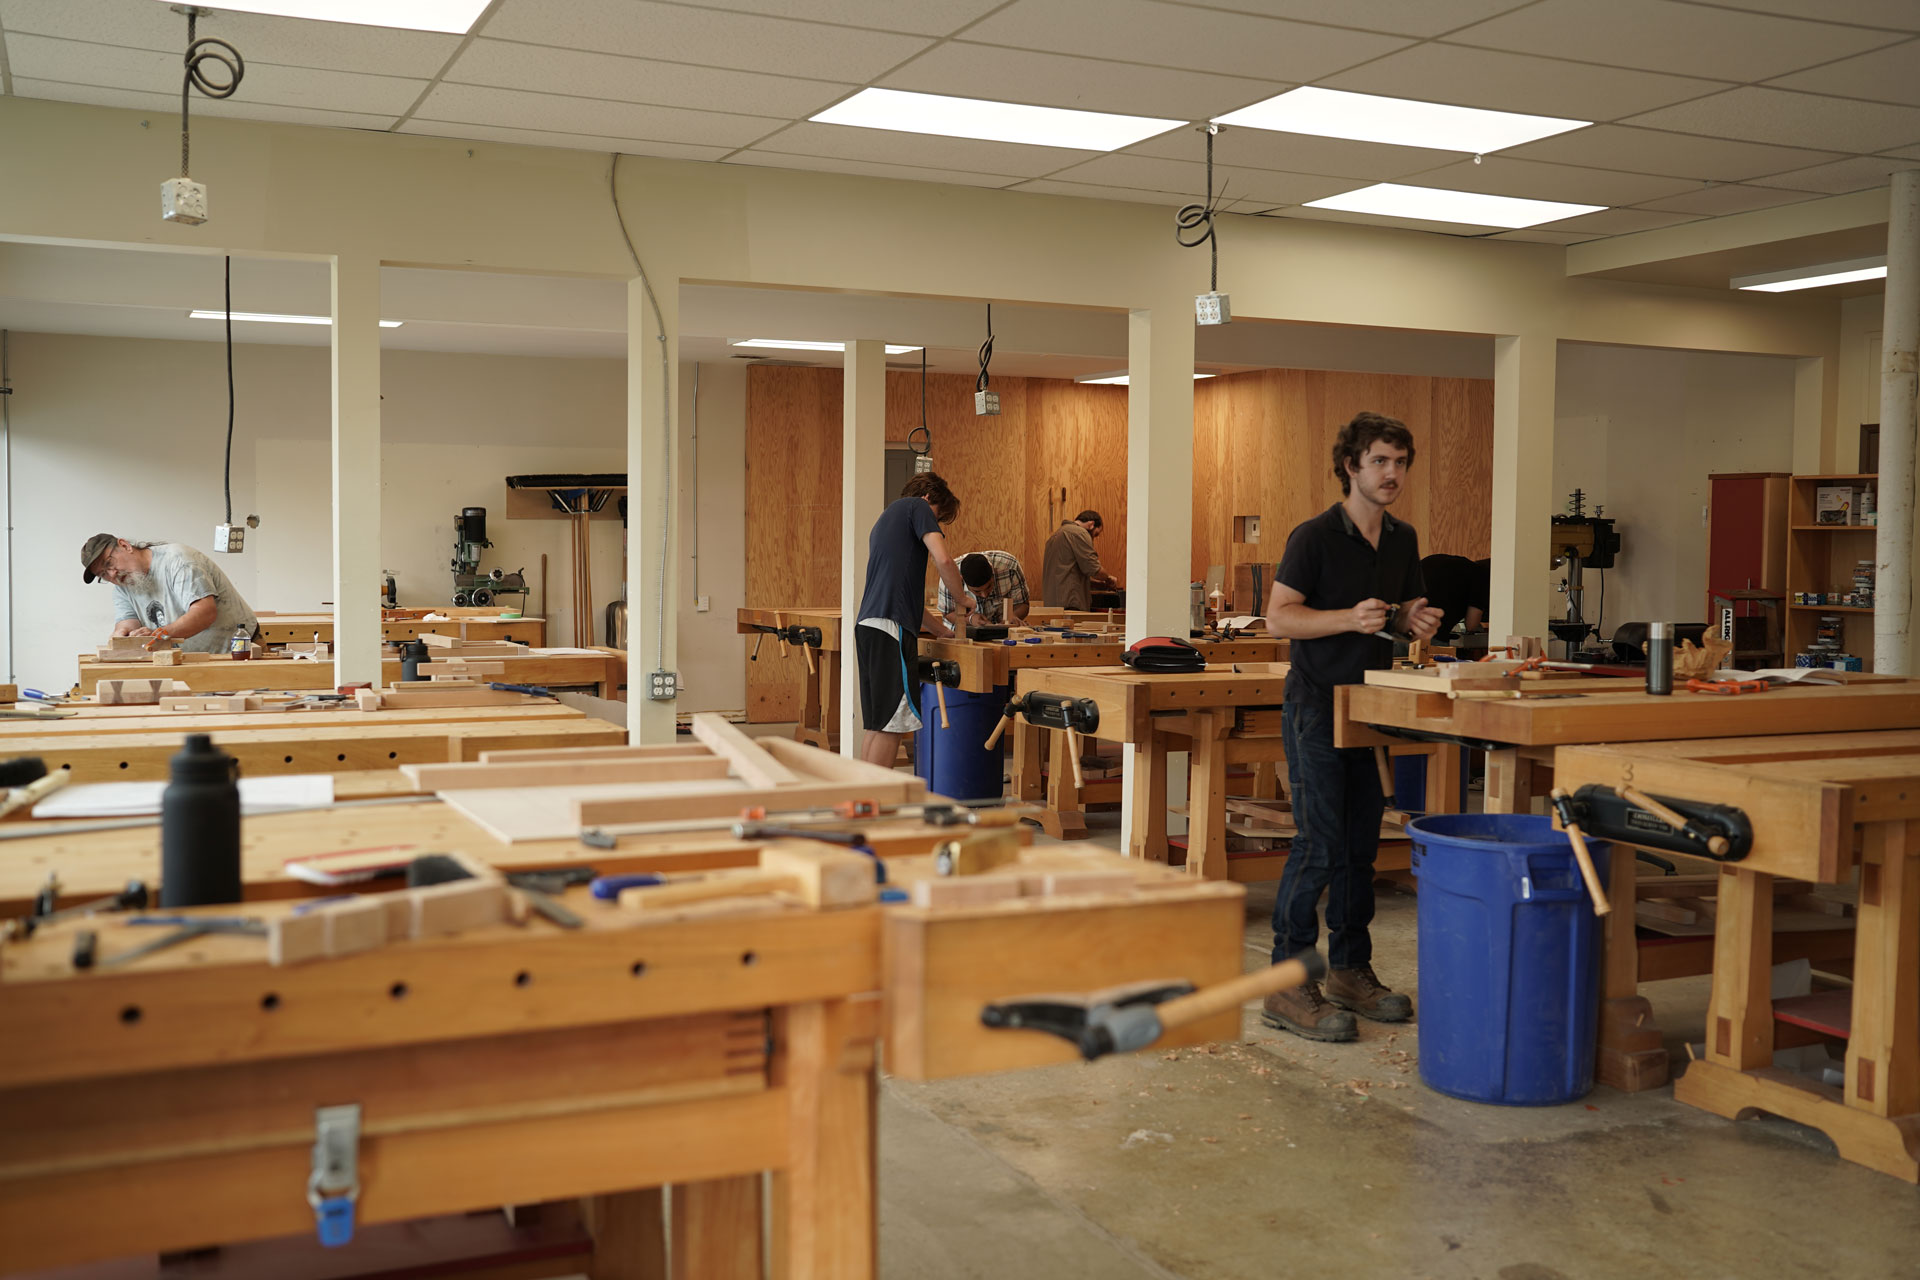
x=1164 y=653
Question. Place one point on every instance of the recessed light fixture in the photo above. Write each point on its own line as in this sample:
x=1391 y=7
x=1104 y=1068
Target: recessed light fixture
x=1120 y=379
x=789 y=344
x=264 y=317
x=456 y=17
x=1363 y=117
x=1814 y=277
x=992 y=121
x=1436 y=204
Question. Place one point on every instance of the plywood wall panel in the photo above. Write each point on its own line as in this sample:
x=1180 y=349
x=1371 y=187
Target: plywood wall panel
x=1462 y=521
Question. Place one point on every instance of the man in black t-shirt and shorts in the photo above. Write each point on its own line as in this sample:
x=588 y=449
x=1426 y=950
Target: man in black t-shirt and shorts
x=1350 y=576
x=893 y=610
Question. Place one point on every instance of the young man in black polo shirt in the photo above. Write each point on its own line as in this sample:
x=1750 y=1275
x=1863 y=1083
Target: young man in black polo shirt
x=1349 y=575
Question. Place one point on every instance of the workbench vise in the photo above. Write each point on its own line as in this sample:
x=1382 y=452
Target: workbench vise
x=939 y=671
x=792 y=633
x=1049 y=711
x=1717 y=831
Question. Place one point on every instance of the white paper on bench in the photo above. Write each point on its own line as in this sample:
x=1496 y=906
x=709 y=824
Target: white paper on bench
x=134 y=799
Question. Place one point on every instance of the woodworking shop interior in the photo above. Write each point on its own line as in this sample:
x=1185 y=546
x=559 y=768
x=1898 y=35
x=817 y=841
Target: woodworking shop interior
x=680 y=293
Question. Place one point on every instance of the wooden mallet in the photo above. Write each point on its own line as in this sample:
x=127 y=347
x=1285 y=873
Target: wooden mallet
x=820 y=876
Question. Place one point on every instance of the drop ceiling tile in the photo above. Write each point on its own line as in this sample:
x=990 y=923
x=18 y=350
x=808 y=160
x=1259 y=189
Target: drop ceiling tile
x=1173 y=36
x=289 y=42
x=1519 y=82
x=916 y=17
x=167 y=106
x=1617 y=222
x=515 y=109
x=1189 y=178
x=1676 y=155
x=1399 y=17
x=887 y=146
x=1297 y=153
x=1538 y=180
x=1085 y=84
x=1725 y=197
x=505 y=65
x=1885 y=75
x=1532 y=236
x=76 y=62
x=710 y=37
x=869 y=169
x=1381 y=220
x=1791 y=119
x=573 y=141
x=1052 y=187
x=1856 y=174
x=1901 y=15
x=1660 y=35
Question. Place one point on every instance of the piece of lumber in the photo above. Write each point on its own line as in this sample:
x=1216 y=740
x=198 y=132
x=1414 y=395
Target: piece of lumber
x=1097 y=883
x=421 y=696
x=211 y=702
x=9 y=693
x=472 y=777
x=461 y=668
x=964 y=891
x=117 y=693
x=749 y=760
x=666 y=751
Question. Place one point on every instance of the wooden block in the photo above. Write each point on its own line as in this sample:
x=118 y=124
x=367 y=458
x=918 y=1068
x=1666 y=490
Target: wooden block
x=120 y=693
x=204 y=702
x=360 y=925
x=964 y=891
x=462 y=668
x=9 y=693
x=434 y=640
x=296 y=939
x=827 y=876
x=1097 y=883
x=712 y=888
x=366 y=700
x=457 y=906
x=164 y=657
x=982 y=852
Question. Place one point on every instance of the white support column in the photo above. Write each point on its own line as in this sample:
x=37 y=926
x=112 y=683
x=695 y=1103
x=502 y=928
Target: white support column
x=863 y=477
x=1159 y=495
x=1523 y=497
x=356 y=469
x=653 y=610
x=1899 y=338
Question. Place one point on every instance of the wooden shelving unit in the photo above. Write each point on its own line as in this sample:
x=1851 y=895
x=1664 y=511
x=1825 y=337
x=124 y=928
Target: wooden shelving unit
x=1821 y=557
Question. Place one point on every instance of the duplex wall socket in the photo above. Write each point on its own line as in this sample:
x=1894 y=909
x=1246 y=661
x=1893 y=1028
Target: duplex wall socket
x=663 y=686
x=230 y=538
x=1212 y=308
x=986 y=402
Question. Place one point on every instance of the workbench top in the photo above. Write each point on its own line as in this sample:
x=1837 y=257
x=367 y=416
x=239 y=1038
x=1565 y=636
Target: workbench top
x=599 y=668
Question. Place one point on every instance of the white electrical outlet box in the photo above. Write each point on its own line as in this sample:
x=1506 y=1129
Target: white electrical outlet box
x=663 y=686
x=183 y=200
x=702 y=604
x=230 y=538
x=922 y=464
x=1212 y=308
x=986 y=402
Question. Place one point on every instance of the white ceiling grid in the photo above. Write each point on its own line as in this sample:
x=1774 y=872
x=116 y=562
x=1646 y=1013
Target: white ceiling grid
x=1702 y=108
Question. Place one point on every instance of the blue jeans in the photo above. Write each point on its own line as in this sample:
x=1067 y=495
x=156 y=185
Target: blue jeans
x=1337 y=806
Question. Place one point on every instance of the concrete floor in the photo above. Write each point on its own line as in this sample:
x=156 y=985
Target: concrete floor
x=1274 y=1156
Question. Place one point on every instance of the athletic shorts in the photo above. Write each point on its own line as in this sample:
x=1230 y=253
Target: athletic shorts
x=889 y=687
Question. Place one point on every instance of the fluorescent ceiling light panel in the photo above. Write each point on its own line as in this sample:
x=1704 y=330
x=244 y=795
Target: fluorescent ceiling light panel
x=263 y=317
x=1813 y=277
x=1120 y=379
x=789 y=344
x=992 y=121
x=1332 y=113
x=1436 y=204
x=452 y=16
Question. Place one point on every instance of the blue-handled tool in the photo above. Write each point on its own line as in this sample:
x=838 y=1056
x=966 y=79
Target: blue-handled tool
x=607 y=888
x=534 y=689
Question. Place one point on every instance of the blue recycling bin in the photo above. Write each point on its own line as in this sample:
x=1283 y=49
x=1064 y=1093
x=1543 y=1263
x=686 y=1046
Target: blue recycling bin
x=1509 y=959
x=955 y=761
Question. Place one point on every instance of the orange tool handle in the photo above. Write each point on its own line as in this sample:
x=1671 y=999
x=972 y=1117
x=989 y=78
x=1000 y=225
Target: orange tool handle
x=1727 y=686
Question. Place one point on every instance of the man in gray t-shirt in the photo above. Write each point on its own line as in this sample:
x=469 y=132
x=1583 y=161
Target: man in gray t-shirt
x=164 y=588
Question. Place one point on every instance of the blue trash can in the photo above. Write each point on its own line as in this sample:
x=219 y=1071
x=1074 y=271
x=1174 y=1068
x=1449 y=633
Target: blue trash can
x=955 y=761
x=1509 y=959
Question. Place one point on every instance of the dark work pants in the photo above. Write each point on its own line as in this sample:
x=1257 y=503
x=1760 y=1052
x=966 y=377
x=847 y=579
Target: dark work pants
x=1337 y=806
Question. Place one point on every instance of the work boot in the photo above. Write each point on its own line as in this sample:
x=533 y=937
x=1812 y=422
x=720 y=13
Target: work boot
x=1305 y=1013
x=1358 y=990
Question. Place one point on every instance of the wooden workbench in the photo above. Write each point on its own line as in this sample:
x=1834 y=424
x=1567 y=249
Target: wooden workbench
x=468 y=624
x=600 y=672
x=1812 y=799
x=1525 y=734
x=172 y=1104
x=820 y=708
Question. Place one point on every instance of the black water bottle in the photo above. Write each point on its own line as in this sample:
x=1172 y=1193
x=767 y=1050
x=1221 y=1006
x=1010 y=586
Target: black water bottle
x=200 y=827
x=1660 y=657
x=412 y=654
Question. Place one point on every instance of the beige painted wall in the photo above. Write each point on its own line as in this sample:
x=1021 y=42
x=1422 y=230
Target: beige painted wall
x=1639 y=431
x=1860 y=324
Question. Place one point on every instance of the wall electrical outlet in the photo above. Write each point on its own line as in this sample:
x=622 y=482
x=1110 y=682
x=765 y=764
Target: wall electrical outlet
x=985 y=403
x=230 y=538
x=663 y=686
x=1212 y=308
x=702 y=604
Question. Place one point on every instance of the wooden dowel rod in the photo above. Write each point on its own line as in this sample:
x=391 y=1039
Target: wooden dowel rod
x=1259 y=984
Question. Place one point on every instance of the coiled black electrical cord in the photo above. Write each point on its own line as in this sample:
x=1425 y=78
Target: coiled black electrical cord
x=199 y=54
x=1201 y=216
x=986 y=353
x=920 y=440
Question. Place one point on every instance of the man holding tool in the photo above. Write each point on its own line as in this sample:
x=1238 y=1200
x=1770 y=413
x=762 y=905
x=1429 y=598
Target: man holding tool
x=997 y=581
x=1070 y=568
x=167 y=591
x=893 y=610
x=1331 y=598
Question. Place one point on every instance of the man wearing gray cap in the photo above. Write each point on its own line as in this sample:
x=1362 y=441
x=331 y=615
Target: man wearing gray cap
x=167 y=590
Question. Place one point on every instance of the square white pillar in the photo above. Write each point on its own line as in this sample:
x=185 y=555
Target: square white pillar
x=863 y=476
x=356 y=469
x=1523 y=497
x=653 y=577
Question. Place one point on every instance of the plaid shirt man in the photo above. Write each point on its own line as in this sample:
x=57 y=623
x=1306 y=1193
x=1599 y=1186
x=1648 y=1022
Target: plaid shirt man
x=1007 y=588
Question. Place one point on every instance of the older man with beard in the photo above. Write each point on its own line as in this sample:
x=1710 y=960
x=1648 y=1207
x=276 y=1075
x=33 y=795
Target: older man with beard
x=1349 y=576
x=167 y=590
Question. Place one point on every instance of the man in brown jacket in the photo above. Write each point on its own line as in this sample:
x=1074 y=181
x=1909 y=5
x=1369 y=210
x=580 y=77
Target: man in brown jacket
x=1071 y=567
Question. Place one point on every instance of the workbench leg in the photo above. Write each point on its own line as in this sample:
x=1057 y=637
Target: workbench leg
x=1632 y=1054
x=1266 y=781
x=716 y=1229
x=1064 y=817
x=1028 y=786
x=808 y=730
x=1443 y=778
x=829 y=721
x=1740 y=1014
x=629 y=1230
x=1883 y=1052
x=1207 y=796
x=1509 y=782
x=1148 y=839
x=825 y=1198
